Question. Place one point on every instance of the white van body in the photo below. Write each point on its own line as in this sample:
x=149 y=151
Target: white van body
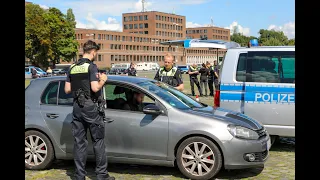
x=147 y=66
x=260 y=82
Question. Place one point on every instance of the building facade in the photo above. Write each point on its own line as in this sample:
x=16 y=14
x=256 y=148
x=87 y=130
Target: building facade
x=209 y=32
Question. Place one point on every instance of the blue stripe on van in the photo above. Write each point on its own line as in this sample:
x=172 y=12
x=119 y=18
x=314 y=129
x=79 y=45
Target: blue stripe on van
x=257 y=93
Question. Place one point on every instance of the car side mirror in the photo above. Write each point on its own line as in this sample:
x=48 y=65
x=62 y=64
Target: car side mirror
x=152 y=109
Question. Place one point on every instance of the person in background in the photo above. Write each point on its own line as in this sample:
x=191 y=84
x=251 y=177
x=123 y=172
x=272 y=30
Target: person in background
x=169 y=74
x=131 y=71
x=34 y=73
x=210 y=77
x=193 y=74
x=216 y=74
x=204 y=72
x=49 y=71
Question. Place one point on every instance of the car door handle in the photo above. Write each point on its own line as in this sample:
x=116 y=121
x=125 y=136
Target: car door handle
x=52 y=116
x=109 y=120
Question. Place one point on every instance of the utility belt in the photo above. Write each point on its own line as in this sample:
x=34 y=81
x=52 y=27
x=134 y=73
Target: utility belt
x=81 y=97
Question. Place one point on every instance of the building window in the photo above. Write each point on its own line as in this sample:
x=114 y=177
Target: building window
x=140 y=32
x=125 y=19
x=130 y=26
x=140 y=18
x=99 y=57
x=125 y=26
x=130 y=18
x=136 y=26
x=135 y=18
x=141 y=26
x=145 y=17
x=112 y=57
x=146 y=32
x=145 y=25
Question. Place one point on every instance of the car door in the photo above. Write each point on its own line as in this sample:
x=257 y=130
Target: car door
x=134 y=134
x=56 y=110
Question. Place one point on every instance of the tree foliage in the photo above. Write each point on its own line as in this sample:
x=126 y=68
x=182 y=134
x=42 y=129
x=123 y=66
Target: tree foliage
x=49 y=35
x=266 y=38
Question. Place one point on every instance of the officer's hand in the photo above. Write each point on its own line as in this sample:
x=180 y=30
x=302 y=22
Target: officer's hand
x=103 y=77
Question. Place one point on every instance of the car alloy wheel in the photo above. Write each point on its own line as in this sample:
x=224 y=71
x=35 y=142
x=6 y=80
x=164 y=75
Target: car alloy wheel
x=198 y=159
x=35 y=150
x=39 y=152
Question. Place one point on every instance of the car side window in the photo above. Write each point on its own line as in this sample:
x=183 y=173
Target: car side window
x=26 y=69
x=49 y=95
x=266 y=67
x=64 y=99
x=122 y=98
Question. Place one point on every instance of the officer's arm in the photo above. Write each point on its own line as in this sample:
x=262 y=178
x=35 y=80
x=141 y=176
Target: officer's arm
x=67 y=84
x=178 y=77
x=96 y=81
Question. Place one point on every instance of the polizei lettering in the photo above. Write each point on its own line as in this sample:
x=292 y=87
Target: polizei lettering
x=280 y=98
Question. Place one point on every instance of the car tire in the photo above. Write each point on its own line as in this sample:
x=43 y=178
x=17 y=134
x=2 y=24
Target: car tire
x=186 y=161
x=41 y=148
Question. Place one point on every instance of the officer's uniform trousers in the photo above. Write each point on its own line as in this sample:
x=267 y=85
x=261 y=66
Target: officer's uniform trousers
x=194 y=80
x=210 y=84
x=86 y=118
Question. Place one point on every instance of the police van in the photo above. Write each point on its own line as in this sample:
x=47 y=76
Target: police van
x=260 y=82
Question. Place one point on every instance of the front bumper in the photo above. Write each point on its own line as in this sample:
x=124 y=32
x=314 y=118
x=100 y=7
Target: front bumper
x=235 y=150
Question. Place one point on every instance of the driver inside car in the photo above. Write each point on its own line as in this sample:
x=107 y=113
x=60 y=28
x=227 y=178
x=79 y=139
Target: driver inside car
x=135 y=103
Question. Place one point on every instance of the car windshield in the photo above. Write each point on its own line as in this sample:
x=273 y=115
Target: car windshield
x=169 y=94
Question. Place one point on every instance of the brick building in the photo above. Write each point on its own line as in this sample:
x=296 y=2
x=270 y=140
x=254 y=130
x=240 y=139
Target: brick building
x=142 y=33
x=140 y=38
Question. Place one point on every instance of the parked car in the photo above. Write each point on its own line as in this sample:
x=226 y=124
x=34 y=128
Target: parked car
x=200 y=143
x=183 y=69
x=260 y=82
x=58 y=71
x=40 y=72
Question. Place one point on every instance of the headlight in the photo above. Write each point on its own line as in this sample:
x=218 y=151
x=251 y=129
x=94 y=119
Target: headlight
x=242 y=132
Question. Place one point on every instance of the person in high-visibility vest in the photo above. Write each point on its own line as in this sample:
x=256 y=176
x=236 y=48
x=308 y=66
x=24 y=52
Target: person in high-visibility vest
x=169 y=74
x=193 y=74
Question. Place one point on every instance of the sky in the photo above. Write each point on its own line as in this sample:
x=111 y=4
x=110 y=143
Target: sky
x=249 y=16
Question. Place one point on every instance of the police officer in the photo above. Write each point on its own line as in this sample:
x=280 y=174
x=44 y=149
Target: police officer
x=193 y=74
x=210 y=78
x=85 y=83
x=131 y=71
x=169 y=74
x=216 y=74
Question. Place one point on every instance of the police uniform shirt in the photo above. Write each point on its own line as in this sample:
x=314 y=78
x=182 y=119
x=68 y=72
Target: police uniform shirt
x=76 y=80
x=216 y=69
x=132 y=72
x=177 y=76
x=193 y=69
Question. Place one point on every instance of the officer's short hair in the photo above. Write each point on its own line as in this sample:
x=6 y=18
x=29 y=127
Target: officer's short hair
x=90 y=45
x=169 y=55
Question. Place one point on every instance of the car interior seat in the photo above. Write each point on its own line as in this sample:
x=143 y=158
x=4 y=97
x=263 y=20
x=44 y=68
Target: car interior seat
x=118 y=102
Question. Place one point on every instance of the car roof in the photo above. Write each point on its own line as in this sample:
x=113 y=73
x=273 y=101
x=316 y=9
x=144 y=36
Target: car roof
x=127 y=79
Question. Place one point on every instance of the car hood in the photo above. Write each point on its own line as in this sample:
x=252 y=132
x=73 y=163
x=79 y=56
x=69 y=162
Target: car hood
x=227 y=115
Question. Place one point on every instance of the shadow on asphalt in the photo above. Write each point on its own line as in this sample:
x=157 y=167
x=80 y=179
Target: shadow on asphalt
x=281 y=145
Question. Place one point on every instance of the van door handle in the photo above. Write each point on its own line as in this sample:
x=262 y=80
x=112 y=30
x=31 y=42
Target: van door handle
x=52 y=116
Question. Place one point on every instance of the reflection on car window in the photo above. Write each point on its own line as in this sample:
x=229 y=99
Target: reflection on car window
x=172 y=96
x=64 y=99
x=49 y=95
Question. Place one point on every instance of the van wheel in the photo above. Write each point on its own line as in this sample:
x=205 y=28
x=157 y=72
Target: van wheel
x=199 y=158
x=39 y=152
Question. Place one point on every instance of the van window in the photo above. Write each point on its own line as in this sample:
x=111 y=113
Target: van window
x=266 y=66
x=26 y=69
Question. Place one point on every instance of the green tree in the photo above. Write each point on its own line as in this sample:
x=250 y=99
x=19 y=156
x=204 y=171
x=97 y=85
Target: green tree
x=241 y=39
x=50 y=35
x=291 y=42
x=272 y=37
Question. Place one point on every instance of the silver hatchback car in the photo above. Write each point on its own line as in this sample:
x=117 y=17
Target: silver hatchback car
x=171 y=129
